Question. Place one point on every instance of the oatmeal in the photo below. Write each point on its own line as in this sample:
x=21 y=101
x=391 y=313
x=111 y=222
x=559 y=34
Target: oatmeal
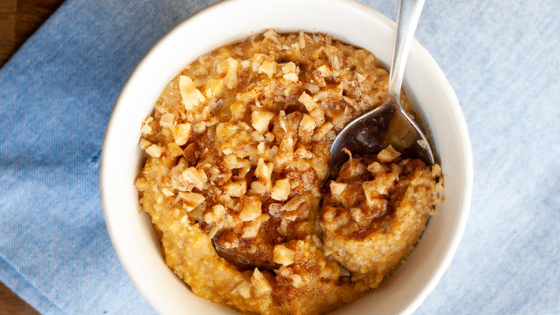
x=375 y=211
x=238 y=150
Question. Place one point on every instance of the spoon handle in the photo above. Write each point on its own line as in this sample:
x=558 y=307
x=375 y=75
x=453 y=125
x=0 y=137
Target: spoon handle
x=407 y=20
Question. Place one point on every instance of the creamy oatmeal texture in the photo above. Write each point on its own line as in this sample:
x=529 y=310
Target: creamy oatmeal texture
x=238 y=148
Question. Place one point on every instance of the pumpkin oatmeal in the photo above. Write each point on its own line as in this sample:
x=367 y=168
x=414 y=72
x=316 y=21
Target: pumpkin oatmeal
x=238 y=150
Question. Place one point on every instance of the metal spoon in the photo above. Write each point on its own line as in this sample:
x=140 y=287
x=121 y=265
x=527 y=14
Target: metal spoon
x=388 y=124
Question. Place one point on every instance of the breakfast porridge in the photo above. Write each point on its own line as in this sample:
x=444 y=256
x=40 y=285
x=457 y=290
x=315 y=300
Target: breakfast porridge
x=235 y=181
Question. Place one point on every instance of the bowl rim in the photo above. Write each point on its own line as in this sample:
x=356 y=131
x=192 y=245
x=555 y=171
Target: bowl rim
x=443 y=264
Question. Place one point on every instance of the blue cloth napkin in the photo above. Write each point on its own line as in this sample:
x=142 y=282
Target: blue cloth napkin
x=57 y=92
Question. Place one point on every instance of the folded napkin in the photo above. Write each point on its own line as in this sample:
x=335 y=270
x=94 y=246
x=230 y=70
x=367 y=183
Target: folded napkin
x=57 y=92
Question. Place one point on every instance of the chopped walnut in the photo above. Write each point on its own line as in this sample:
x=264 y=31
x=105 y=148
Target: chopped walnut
x=290 y=67
x=166 y=120
x=376 y=168
x=272 y=35
x=192 y=97
x=323 y=131
x=214 y=87
x=303 y=153
x=243 y=289
x=324 y=70
x=259 y=282
x=215 y=214
x=256 y=61
x=388 y=154
x=229 y=66
x=294 y=203
x=306 y=128
x=337 y=188
x=283 y=255
x=260 y=120
x=291 y=77
x=233 y=162
x=194 y=177
x=236 y=189
x=281 y=190
x=251 y=229
x=192 y=200
x=154 y=150
x=150 y=148
x=174 y=149
x=167 y=192
x=146 y=129
x=268 y=67
x=264 y=172
x=181 y=133
x=252 y=210
x=307 y=101
x=301 y=39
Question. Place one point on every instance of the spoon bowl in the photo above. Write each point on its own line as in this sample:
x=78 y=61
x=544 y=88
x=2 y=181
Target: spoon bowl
x=388 y=124
x=385 y=125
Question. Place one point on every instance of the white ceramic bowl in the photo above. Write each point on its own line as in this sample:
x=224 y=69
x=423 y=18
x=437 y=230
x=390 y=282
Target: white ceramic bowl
x=223 y=23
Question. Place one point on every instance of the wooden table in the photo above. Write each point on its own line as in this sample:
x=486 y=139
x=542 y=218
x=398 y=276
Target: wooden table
x=18 y=20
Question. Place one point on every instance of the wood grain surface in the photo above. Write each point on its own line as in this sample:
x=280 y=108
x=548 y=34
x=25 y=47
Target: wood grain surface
x=11 y=304
x=19 y=19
